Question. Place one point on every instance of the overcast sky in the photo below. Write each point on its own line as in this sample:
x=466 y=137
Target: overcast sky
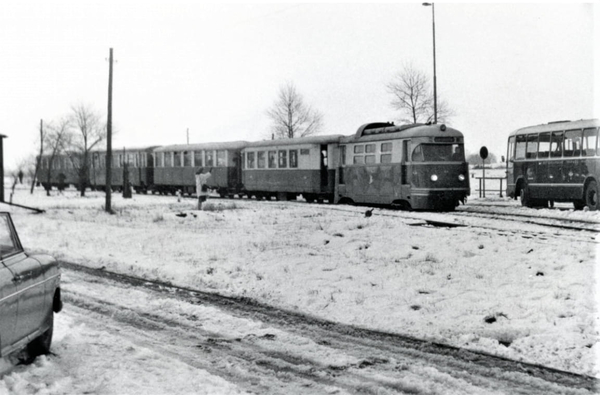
x=216 y=69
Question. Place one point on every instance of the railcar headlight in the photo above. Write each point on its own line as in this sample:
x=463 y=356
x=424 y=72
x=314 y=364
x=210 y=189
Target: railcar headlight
x=434 y=177
x=461 y=177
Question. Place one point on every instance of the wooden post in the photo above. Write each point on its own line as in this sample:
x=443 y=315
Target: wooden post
x=109 y=135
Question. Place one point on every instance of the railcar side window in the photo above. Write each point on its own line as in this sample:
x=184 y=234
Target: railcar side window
x=359 y=160
x=556 y=144
x=272 y=159
x=386 y=158
x=572 y=143
x=294 y=159
x=386 y=147
x=544 y=145
x=590 y=140
x=305 y=151
x=8 y=244
x=370 y=148
x=251 y=160
x=282 y=159
x=198 y=158
x=210 y=158
x=359 y=149
x=532 y=145
x=369 y=159
x=520 y=149
x=261 y=159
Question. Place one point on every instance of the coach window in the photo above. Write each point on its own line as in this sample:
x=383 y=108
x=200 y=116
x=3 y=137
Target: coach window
x=250 y=157
x=544 y=145
x=210 y=158
x=168 y=159
x=221 y=158
x=294 y=159
x=187 y=159
x=556 y=144
x=260 y=159
x=590 y=139
x=282 y=159
x=198 y=158
x=520 y=149
x=532 y=144
x=272 y=159
x=572 y=143
x=176 y=159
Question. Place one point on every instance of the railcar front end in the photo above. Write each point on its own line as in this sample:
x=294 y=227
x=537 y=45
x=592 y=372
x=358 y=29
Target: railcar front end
x=420 y=167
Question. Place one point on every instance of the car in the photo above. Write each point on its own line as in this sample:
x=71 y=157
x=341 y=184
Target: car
x=29 y=295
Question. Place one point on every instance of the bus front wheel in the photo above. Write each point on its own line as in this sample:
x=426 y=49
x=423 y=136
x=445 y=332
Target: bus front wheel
x=591 y=196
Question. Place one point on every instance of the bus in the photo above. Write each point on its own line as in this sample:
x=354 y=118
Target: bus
x=555 y=162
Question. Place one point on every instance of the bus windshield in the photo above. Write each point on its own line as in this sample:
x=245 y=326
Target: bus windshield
x=438 y=153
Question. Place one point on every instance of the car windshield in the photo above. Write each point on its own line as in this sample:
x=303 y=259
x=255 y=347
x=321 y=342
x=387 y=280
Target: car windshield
x=8 y=245
x=438 y=153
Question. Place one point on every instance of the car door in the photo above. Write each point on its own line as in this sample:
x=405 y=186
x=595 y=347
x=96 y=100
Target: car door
x=27 y=277
x=8 y=308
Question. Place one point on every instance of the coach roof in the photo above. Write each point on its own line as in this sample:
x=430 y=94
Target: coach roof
x=331 y=138
x=386 y=131
x=228 y=145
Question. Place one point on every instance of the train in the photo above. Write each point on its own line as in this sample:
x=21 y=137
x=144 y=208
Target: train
x=411 y=166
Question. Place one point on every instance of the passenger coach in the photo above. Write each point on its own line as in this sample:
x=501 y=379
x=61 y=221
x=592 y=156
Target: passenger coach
x=555 y=162
x=175 y=167
x=139 y=163
x=412 y=166
x=287 y=168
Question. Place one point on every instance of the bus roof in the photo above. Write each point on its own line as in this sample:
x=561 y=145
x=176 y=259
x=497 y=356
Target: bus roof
x=558 y=126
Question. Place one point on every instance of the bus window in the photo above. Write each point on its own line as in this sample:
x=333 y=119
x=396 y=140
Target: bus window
x=544 y=145
x=590 y=139
x=520 y=147
x=511 y=148
x=572 y=143
x=556 y=144
x=532 y=146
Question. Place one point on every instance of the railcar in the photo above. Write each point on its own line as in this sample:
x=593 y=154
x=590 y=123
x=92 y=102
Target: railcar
x=416 y=166
x=138 y=162
x=175 y=167
x=558 y=161
x=58 y=171
x=287 y=168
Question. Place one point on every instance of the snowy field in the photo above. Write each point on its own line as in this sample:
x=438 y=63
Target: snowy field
x=525 y=298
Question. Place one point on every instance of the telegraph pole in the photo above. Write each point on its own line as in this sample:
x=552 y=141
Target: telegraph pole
x=109 y=134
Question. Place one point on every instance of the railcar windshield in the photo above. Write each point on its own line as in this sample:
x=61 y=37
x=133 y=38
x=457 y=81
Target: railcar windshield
x=438 y=153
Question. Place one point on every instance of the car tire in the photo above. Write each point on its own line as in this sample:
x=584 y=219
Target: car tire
x=41 y=344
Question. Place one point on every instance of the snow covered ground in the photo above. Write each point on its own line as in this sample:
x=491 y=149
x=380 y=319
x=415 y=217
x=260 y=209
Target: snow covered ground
x=527 y=298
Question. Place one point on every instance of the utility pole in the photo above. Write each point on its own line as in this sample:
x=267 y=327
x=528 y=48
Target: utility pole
x=38 y=163
x=109 y=134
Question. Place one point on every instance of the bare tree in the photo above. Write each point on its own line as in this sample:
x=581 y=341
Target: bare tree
x=292 y=117
x=87 y=132
x=57 y=139
x=413 y=97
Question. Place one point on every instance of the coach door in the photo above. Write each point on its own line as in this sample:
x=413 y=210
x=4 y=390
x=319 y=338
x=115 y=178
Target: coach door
x=405 y=170
x=324 y=175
